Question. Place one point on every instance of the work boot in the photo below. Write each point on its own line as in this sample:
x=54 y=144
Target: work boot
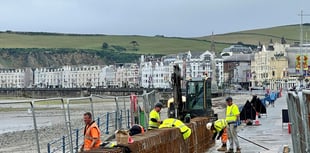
x=238 y=150
x=230 y=150
x=223 y=148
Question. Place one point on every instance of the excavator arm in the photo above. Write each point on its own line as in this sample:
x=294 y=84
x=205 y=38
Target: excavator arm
x=177 y=104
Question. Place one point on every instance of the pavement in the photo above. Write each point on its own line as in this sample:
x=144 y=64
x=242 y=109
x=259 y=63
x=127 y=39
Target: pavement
x=270 y=136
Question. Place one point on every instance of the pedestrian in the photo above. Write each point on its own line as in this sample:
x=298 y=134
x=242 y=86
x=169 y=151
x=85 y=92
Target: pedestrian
x=154 y=117
x=219 y=129
x=91 y=133
x=272 y=98
x=232 y=117
x=175 y=123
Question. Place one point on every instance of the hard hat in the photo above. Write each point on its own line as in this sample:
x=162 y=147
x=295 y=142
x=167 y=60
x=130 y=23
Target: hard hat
x=209 y=126
x=159 y=104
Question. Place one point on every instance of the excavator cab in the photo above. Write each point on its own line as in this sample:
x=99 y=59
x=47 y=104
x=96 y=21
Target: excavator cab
x=198 y=97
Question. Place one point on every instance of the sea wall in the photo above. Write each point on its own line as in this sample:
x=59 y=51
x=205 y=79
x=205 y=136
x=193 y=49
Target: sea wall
x=170 y=140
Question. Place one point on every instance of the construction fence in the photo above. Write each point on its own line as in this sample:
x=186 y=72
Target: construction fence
x=299 y=115
x=58 y=122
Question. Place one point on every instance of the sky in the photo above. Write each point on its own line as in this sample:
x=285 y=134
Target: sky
x=171 y=18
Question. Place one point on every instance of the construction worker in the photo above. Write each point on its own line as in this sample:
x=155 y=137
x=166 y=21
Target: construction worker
x=172 y=122
x=154 y=117
x=91 y=133
x=232 y=115
x=219 y=129
x=136 y=129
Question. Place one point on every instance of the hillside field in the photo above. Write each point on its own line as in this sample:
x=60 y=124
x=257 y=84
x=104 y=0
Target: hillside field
x=150 y=45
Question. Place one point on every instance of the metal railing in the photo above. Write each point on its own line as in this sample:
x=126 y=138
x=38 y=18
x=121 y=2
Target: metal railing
x=111 y=113
x=122 y=118
x=106 y=124
x=33 y=112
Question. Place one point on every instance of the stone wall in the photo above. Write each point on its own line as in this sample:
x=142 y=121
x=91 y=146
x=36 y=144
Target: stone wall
x=171 y=140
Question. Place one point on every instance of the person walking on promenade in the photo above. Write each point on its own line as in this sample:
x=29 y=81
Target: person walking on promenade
x=219 y=129
x=232 y=115
x=91 y=133
x=154 y=117
x=272 y=98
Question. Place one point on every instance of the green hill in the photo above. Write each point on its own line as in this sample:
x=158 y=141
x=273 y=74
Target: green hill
x=153 y=45
x=32 y=47
x=291 y=33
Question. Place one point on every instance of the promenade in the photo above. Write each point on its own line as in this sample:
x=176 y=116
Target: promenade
x=268 y=137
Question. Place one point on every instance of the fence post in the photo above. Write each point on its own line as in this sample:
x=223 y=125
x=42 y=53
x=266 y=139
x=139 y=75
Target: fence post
x=120 y=119
x=63 y=144
x=107 y=124
x=115 y=126
x=77 y=140
x=98 y=122
x=128 y=119
x=48 y=148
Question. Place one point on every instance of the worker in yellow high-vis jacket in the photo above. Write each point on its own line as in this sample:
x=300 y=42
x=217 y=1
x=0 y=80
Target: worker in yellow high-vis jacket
x=154 y=117
x=218 y=129
x=232 y=116
x=175 y=123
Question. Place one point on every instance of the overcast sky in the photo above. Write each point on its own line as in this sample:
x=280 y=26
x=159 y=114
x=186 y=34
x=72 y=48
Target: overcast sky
x=180 y=18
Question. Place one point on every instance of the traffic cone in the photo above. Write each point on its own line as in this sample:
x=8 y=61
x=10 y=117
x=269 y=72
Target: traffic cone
x=130 y=139
x=256 y=119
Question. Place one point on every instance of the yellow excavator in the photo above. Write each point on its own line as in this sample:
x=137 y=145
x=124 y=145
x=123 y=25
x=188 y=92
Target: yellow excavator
x=197 y=100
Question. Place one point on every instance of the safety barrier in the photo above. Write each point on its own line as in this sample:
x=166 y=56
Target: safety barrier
x=32 y=110
x=137 y=114
x=106 y=124
x=62 y=118
x=299 y=116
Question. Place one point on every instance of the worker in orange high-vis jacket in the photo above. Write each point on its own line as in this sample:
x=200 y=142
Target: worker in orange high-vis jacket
x=91 y=133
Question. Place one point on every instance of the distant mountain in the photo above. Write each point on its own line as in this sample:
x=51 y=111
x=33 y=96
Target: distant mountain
x=40 y=49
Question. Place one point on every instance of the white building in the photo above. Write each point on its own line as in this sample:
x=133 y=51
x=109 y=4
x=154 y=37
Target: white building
x=197 y=64
x=219 y=71
x=107 y=76
x=127 y=75
x=68 y=77
x=151 y=73
x=16 y=78
x=155 y=75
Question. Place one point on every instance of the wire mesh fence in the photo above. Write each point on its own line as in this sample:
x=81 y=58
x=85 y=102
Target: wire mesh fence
x=56 y=124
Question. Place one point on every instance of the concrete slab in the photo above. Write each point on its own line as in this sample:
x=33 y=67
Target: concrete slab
x=268 y=137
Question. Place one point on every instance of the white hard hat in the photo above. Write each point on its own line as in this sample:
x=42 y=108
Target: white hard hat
x=209 y=126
